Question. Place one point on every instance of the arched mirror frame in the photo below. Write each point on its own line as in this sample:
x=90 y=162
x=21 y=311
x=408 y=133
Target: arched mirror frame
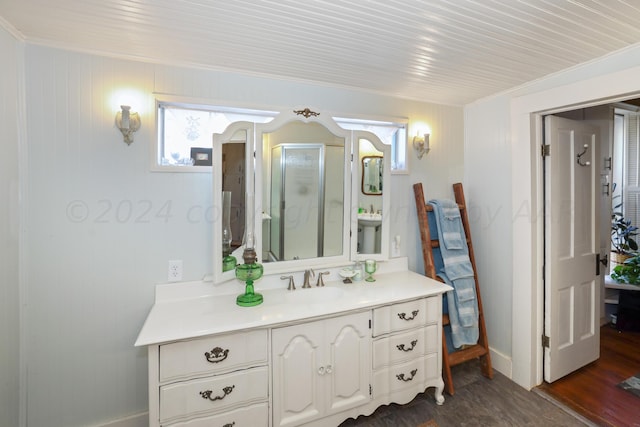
x=383 y=255
x=226 y=137
x=253 y=166
x=328 y=123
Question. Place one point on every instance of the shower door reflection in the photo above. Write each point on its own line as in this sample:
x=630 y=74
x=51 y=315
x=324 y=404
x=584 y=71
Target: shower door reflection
x=306 y=212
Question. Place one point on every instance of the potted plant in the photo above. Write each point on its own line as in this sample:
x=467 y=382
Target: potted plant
x=628 y=272
x=623 y=241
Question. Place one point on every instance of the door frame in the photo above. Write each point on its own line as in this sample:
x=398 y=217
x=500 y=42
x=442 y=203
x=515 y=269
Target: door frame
x=526 y=114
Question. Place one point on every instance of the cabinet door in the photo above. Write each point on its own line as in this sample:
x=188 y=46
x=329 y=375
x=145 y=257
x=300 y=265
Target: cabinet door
x=297 y=356
x=320 y=368
x=348 y=362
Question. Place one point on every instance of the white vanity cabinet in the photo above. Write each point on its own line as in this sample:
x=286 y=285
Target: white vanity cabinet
x=407 y=349
x=320 y=368
x=328 y=357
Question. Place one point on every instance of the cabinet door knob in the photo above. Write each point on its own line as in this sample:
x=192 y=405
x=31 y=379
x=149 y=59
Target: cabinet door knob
x=321 y=370
x=403 y=316
x=329 y=369
x=216 y=355
x=413 y=345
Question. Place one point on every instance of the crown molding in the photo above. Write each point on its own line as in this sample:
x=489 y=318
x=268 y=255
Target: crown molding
x=11 y=29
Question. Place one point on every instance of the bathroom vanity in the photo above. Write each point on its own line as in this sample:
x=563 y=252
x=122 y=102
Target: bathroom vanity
x=315 y=356
x=312 y=357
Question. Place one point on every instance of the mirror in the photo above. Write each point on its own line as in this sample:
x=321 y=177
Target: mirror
x=372 y=175
x=373 y=208
x=304 y=192
x=232 y=180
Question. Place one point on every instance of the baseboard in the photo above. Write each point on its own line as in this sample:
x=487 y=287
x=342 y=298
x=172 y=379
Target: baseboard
x=501 y=363
x=139 y=420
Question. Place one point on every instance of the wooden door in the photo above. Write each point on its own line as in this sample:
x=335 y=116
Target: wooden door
x=572 y=242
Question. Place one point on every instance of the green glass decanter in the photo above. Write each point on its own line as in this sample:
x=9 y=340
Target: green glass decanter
x=248 y=272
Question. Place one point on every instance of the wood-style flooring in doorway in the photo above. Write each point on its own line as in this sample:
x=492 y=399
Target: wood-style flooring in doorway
x=592 y=390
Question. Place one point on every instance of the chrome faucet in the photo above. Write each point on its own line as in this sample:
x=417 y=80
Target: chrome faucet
x=308 y=273
x=371 y=210
x=292 y=286
x=320 y=282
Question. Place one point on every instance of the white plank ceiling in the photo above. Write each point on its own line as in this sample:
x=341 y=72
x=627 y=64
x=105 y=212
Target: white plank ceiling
x=443 y=51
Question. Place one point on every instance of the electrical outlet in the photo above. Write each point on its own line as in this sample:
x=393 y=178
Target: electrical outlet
x=175 y=271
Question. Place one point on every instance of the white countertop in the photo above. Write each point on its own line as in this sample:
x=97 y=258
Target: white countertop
x=172 y=319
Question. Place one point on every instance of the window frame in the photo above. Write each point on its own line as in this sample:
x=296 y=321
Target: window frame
x=157 y=148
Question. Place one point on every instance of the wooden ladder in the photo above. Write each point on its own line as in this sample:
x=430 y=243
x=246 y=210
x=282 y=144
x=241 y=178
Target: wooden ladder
x=469 y=352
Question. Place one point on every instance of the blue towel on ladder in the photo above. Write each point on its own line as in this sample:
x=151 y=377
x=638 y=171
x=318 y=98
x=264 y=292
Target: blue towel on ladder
x=457 y=272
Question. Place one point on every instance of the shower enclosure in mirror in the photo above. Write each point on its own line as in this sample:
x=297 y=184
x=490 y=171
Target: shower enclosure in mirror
x=304 y=192
x=306 y=202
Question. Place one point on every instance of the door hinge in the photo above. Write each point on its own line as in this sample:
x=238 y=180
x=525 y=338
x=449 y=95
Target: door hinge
x=546 y=150
x=352 y=157
x=545 y=341
x=369 y=323
x=370 y=390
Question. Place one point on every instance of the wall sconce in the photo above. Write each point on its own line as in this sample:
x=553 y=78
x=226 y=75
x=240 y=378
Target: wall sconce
x=127 y=122
x=421 y=145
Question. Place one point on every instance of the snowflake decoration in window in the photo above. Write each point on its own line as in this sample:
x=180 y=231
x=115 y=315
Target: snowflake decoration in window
x=191 y=131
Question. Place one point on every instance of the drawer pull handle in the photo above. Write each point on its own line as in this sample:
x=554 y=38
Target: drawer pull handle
x=231 y=424
x=216 y=355
x=402 y=378
x=413 y=345
x=403 y=316
x=207 y=393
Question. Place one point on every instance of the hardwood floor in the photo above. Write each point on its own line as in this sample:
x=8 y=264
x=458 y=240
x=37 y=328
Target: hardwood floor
x=592 y=391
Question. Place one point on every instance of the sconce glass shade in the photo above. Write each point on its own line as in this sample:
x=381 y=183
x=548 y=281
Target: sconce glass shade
x=421 y=145
x=128 y=123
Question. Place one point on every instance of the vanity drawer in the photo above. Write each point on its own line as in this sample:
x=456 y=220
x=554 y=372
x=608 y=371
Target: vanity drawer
x=404 y=346
x=251 y=416
x=220 y=353
x=414 y=373
x=407 y=315
x=208 y=395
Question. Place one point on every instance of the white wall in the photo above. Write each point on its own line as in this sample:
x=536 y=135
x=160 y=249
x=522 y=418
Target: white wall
x=510 y=116
x=10 y=107
x=488 y=194
x=101 y=226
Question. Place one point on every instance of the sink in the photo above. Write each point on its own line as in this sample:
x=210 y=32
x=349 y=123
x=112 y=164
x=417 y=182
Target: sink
x=369 y=222
x=314 y=295
x=370 y=219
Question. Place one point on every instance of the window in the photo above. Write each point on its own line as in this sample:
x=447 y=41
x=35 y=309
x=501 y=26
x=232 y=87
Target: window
x=184 y=129
x=390 y=133
x=185 y=132
x=626 y=165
